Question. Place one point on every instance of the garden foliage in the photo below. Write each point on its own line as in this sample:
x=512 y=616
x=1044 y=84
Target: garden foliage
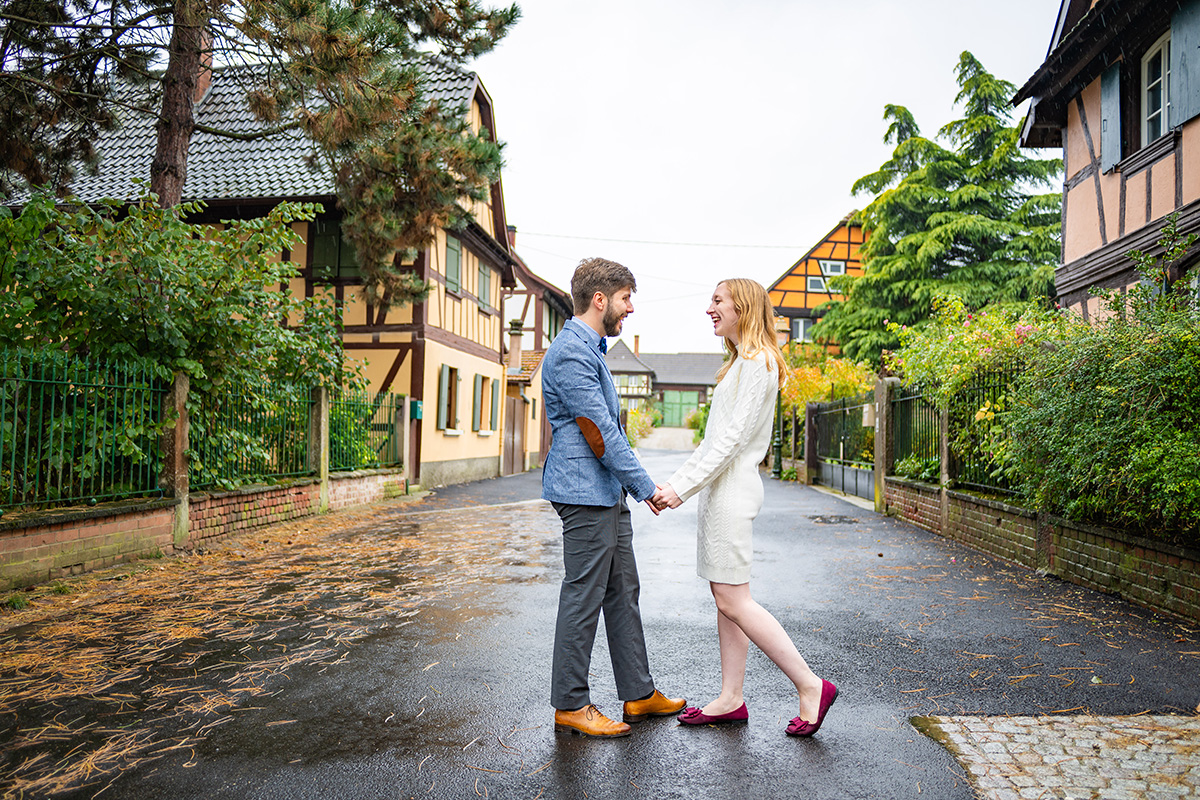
x=140 y=284
x=1099 y=420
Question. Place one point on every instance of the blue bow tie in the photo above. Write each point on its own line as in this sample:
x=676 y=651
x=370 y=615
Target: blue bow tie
x=603 y=345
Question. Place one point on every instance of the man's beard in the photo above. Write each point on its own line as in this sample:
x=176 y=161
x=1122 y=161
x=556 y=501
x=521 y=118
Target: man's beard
x=612 y=322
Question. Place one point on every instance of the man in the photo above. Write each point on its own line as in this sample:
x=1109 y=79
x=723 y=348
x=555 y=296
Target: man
x=588 y=472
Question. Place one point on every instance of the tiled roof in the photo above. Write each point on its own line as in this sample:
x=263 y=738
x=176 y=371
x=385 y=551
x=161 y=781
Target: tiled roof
x=220 y=168
x=530 y=361
x=621 y=359
x=695 y=369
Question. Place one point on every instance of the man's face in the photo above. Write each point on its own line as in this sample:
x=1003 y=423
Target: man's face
x=620 y=305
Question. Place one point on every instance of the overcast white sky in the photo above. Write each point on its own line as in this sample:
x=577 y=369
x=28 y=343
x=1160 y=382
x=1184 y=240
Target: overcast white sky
x=719 y=122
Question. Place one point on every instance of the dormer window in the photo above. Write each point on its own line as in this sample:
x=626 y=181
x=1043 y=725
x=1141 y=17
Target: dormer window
x=1156 y=89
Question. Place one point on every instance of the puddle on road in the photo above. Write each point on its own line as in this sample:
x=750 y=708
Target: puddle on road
x=125 y=671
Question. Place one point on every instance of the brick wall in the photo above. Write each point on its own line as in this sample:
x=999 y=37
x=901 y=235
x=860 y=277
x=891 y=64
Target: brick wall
x=1153 y=574
x=213 y=515
x=36 y=549
x=918 y=503
x=366 y=486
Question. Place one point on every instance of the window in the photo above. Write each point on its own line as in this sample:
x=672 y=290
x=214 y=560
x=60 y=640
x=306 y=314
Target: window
x=831 y=268
x=817 y=284
x=485 y=285
x=485 y=404
x=1156 y=90
x=453 y=263
x=447 y=410
x=332 y=256
x=802 y=329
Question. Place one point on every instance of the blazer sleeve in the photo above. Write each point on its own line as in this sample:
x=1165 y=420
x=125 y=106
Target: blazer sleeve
x=582 y=395
x=756 y=383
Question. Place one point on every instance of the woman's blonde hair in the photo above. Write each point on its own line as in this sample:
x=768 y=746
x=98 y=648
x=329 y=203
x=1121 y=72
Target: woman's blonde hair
x=756 y=325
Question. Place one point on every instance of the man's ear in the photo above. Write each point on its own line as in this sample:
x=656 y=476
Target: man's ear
x=599 y=301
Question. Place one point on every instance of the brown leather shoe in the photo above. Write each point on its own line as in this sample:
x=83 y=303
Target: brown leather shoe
x=653 y=706
x=590 y=722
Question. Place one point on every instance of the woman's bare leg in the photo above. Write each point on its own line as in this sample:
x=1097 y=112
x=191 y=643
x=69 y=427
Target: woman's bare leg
x=735 y=604
x=734 y=647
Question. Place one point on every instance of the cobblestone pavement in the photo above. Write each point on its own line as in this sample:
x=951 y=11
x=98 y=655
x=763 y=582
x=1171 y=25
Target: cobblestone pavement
x=1076 y=757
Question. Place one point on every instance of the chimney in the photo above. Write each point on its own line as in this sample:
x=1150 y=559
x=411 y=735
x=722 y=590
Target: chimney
x=515 y=332
x=512 y=237
x=635 y=344
x=204 y=78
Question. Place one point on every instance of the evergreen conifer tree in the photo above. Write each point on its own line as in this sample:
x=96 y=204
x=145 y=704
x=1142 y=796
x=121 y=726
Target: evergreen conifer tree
x=963 y=220
x=345 y=72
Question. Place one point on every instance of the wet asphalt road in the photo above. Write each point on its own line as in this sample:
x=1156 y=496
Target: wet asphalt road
x=453 y=702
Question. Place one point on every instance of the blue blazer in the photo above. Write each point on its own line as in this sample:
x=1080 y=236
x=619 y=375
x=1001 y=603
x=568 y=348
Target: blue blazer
x=590 y=462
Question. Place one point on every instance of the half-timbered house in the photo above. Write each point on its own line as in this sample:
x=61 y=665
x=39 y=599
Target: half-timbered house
x=800 y=291
x=535 y=311
x=1119 y=92
x=444 y=353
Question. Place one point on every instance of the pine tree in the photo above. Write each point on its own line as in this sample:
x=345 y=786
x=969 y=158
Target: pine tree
x=962 y=219
x=346 y=72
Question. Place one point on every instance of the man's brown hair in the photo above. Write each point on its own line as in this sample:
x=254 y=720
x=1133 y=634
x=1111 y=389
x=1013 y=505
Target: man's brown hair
x=598 y=275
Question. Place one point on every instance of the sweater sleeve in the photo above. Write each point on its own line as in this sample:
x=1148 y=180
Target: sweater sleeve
x=756 y=383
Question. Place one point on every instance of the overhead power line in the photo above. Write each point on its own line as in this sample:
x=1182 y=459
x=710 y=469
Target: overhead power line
x=670 y=244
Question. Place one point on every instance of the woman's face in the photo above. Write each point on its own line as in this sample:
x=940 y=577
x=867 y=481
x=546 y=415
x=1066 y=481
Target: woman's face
x=722 y=313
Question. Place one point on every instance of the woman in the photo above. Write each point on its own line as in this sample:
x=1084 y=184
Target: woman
x=724 y=471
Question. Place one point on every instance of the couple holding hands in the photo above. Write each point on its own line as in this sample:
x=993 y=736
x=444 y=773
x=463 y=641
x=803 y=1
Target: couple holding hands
x=590 y=469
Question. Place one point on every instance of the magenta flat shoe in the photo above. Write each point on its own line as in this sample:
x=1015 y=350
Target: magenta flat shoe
x=798 y=727
x=694 y=716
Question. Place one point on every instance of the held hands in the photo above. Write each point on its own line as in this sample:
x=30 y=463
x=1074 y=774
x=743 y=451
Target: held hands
x=664 y=497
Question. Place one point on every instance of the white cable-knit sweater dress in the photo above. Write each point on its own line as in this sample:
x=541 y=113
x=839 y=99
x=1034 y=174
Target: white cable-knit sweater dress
x=724 y=468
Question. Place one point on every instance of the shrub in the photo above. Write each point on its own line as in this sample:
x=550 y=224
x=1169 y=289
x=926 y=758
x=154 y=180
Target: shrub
x=1106 y=427
x=697 y=420
x=638 y=425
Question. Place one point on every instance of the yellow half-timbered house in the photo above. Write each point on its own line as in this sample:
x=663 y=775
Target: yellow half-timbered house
x=446 y=353
x=799 y=292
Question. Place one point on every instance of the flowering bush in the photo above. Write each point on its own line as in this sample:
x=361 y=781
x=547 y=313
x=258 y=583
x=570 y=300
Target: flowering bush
x=638 y=425
x=818 y=377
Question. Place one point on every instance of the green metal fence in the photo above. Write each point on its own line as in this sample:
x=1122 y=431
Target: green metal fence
x=240 y=438
x=977 y=428
x=916 y=431
x=364 y=430
x=842 y=437
x=76 y=430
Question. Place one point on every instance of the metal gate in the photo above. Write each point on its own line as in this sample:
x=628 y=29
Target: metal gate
x=846 y=445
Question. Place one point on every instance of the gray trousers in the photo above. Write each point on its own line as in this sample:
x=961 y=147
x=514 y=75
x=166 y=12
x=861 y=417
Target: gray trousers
x=601 y=575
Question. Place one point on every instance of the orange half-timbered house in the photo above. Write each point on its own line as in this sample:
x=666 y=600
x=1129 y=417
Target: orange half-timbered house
x=805 y=286
x=445 y=353
x=1119 y=92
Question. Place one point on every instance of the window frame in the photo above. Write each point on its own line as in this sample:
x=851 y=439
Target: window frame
x=1161 y=48
x=345 y=268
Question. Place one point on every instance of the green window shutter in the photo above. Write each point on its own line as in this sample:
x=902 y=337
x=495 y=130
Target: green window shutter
x=443 y=396
x=1185 y=63
x=453 y=263
x=457 y=381
x=495 y=418
x=477 y=404
x=1110 y=117
x=485 y=285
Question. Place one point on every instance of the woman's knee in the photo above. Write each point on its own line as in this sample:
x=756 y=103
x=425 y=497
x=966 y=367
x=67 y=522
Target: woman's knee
x=730 y=599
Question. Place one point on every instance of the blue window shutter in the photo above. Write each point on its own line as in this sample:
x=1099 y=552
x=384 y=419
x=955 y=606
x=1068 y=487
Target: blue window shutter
x=495 y=405
x=477 y=403
x=443 y=396
x=1110 y=117
x=1185 y=63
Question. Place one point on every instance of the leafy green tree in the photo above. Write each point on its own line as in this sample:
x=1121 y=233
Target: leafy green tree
x=346 y=72
x=137 y=283
x=959 y=218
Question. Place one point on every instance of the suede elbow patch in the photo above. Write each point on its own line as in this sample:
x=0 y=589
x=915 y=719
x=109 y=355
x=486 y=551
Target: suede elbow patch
x=592 y=435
